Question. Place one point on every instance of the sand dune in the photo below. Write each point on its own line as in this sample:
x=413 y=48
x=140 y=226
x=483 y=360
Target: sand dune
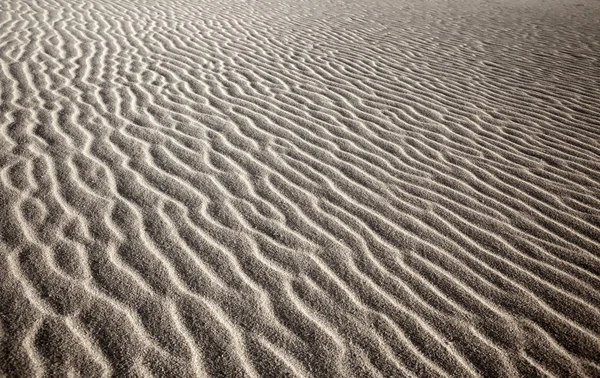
x=299 y=188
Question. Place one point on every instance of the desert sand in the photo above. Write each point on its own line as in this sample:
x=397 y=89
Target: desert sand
x=299 y=188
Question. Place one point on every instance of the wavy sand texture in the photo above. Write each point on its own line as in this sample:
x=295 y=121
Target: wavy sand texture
x=299 y=188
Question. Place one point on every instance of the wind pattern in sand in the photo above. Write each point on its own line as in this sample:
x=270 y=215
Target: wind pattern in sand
x=299 y=188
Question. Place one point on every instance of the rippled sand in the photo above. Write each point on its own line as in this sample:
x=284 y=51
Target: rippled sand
x=302 y=188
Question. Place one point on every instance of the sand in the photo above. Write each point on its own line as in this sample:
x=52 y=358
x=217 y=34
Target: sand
x=299 y=188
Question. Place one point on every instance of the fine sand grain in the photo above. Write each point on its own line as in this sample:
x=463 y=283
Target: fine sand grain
x=299 y=188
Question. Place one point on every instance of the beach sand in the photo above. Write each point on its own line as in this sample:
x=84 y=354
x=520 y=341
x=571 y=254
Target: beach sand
x=299 y=188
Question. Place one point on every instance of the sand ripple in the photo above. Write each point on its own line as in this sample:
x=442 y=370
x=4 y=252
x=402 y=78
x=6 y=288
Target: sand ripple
x=302 y=188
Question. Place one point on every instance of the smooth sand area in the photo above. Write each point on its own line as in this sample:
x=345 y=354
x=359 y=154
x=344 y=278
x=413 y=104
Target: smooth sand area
x=299 y=188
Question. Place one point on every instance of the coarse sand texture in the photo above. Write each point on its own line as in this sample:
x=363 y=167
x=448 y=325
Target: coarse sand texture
x=299 y=188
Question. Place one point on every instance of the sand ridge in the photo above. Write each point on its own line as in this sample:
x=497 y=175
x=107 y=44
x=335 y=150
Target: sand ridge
x=299 y=188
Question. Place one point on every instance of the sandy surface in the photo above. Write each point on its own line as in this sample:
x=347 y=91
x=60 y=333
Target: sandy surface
x=299 y=188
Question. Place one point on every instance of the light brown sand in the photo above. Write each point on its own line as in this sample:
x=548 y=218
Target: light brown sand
x=299 y=188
